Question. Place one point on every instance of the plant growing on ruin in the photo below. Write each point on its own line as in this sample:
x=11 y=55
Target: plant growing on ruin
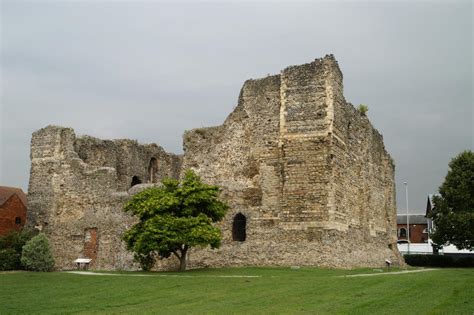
x=36 y=255
x=174 y=218
x=363 y=109
x=453 y=211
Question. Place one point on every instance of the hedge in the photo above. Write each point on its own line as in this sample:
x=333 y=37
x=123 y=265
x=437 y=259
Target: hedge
x=439 y=260
x=9 y=259
x=11 y=246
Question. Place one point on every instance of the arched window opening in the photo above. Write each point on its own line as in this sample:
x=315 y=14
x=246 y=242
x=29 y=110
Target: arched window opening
x=402 y=233
x=238 y=228
x=152 y=168
x=135 y=181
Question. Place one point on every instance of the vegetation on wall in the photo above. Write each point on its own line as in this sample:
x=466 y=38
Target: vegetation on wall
x=174 y=218
x=363 y=109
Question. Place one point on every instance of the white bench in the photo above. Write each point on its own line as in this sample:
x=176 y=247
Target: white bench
x=82 y=263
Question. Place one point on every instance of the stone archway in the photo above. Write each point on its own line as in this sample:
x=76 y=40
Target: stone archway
x=135 y=181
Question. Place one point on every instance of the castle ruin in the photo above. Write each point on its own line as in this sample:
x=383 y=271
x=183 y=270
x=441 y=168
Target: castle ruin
x=307 y=178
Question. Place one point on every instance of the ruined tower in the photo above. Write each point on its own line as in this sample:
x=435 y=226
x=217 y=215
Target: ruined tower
x=307 y=178
x=77 y=189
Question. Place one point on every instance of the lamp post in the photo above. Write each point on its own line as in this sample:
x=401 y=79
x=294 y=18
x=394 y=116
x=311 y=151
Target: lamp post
x=408 y=219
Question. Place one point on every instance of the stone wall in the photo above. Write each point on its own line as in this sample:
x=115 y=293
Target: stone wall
x=306 y=169
x=78 y=187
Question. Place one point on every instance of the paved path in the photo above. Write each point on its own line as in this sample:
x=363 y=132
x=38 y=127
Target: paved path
x=386 y=273
x=89 y=273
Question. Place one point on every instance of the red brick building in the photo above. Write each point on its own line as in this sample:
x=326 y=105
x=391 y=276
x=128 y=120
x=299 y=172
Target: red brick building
x=13 y=205
x=418 y=228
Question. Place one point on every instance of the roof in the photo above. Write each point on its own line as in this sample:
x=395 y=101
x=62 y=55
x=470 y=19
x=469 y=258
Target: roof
x=7 y=192
x=429 y=203
x=413 y=219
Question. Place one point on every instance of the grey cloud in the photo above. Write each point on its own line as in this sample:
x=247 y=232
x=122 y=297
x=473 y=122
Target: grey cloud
x=151 y=70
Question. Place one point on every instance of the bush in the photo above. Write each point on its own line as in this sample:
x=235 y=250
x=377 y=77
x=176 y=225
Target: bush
x=9 y=259
x=16 y=239
x=11 y=246
x=146 y=261
x=363 y=109
x=36 y=255
x=439 y=261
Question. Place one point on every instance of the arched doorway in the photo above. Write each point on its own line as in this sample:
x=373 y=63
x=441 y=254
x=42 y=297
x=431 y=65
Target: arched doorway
x=135 y=181
x=239 y=233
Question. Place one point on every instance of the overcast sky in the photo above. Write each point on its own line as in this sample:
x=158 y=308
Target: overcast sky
x=150 y=70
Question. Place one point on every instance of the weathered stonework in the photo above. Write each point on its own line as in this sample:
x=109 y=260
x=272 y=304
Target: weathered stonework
x=306 y=169
x=78 y=187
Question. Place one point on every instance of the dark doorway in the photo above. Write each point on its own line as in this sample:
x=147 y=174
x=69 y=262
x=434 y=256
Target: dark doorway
x=135 y=181
x=152 y=168
x=238 y=228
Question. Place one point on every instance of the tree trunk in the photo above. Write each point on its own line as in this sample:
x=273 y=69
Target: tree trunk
x=182 y=259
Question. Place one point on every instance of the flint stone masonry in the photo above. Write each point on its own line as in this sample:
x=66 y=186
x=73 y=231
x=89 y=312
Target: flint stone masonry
x=78 y=187
x=306 y=169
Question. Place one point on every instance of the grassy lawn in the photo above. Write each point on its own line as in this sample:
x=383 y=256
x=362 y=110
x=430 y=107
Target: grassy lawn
x=275 y=290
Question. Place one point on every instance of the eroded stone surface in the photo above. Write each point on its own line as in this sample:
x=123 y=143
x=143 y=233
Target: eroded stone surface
x=308 y=171
x=78 y=187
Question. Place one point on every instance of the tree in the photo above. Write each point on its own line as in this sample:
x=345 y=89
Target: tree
x=36 y=255
x=453 y=211
x=174 y=218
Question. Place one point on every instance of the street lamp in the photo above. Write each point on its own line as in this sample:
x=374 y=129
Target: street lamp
x=408 y=219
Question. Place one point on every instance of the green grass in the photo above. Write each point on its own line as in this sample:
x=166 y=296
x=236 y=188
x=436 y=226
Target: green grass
x=275 y=291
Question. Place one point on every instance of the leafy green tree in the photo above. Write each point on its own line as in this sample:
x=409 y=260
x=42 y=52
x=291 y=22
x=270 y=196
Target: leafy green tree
x=453 y=212
x=36 y=255
x=174 y=218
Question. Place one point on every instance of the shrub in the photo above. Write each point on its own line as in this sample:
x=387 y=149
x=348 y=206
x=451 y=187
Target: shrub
x=36 y=255
x=146 y=261
x=439 y=261
x=363 y=109
x=11 y=246
x=9 y=259
x=16 y=239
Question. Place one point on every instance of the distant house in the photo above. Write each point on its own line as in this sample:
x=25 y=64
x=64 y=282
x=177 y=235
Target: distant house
x=418 y=225
x=429 y=208
x=13 y=206
x=421 y=226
